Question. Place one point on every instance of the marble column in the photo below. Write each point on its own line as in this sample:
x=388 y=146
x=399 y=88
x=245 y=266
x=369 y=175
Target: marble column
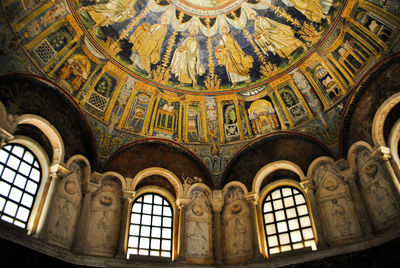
x=382 y=154
x=308 y=187
x=89 y=188
x=217 y=243
x=253 y=201
x=124 y=223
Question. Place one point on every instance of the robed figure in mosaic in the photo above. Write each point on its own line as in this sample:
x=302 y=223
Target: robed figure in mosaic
x=113 y=11
x=186 y=63
x=275 y=37
x=236 y=62
x=147 y=41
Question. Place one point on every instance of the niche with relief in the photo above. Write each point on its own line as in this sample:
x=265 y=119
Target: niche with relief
x=335 y=205
x=65 y=209
x=378 y=196
x=198 y=229
x=101 y=235
x=236 y=227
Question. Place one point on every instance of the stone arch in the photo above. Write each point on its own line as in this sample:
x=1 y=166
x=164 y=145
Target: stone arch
x=381 y=114
x=298 y=148
x=165 y=173
x=353 y=153
x=271 y=167
x=49 y=131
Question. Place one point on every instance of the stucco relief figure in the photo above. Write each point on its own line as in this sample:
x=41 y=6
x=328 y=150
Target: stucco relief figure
x=237 y=230
x=186 y=63
x=147 y=41
x=342 y=225
x=105 y=229
x=113 y=11
x=275 y=37
x=198 y=233
x=65 y=211
x=103 y=222
x=384 y=201
x=335 y=205
x=381 y=203
x=198 y=240
x=236 y=62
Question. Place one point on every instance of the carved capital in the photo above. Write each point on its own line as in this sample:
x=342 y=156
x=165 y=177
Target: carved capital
x=252 y=198
x=307 y=185
x=382 y=153
x=182 y=202
x=348 y=175
x=217 y=205
x=128 y=195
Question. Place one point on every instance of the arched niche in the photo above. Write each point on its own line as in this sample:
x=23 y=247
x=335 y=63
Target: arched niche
x=237 y=230
x=198 y=229
x=135 y=157
x=334 y=202
x=374 y=89
x=66 y=205
x=103 y=220
x=377 y=191
x=289 y=146
x=24 y=94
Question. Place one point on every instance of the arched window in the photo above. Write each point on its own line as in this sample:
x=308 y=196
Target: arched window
x=287 y=223
x=150 y=230
x=20 y=175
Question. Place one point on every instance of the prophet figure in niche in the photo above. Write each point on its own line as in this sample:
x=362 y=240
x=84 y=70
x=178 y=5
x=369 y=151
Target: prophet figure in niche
x=199 y=240
x=236 y=62
x=186 y=63
x=384 y=202
x=312 y=9
x=147 y=41
x=275 y=37
x=340 y=220
x=113 y=11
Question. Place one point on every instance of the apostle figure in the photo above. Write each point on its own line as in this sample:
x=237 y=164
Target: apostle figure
x=312 y=9
x=236 y=62
x=114 y=11
x=275 y=37
x=147 y=41
x=186 y=63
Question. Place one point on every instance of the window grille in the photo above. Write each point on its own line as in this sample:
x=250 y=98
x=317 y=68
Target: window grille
x=286 y=221
x=150 y=231
x=20 y=175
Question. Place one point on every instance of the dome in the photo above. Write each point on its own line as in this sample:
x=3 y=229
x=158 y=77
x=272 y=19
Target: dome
x=203 y=92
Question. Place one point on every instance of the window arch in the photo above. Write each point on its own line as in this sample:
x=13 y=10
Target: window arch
x=151 y=227
x=20 y=177
x=286 y=220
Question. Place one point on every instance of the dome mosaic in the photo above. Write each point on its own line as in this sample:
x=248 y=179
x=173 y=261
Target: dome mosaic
x=205 y=47
x=212 y=76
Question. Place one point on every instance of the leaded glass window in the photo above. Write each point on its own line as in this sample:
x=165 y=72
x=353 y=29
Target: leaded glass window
x=150 y=230
x=286 y=220
x=20 y=175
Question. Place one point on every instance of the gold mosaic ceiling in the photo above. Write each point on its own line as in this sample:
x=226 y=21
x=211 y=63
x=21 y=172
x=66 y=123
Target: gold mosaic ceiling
x=213 y=73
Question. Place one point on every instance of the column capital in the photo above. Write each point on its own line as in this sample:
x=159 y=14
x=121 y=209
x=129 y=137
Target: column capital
x=307 y=185
x=252 y=198
x=217 y=206
x=182 y=202
x=128 y=195
x=381 y=153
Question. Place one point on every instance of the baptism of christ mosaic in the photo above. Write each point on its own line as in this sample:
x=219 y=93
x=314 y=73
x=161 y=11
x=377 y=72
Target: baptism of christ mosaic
x=205 y=46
